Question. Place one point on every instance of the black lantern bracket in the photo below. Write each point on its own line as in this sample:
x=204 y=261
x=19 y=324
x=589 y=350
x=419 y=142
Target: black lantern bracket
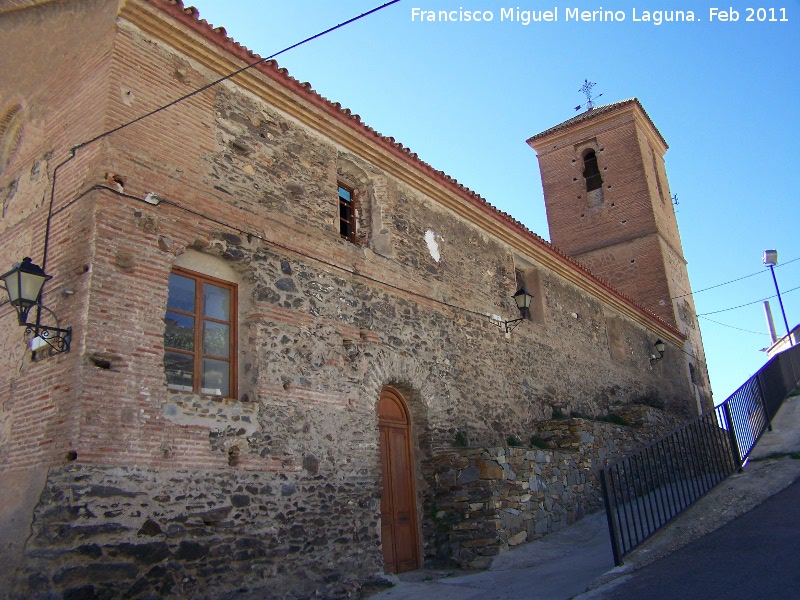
x=522 y=298
x=56 y=339
x=510 y=325
x=23 y=284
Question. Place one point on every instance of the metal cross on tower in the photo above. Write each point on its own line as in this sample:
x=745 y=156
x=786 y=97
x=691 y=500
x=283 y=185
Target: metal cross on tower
x=586 y=88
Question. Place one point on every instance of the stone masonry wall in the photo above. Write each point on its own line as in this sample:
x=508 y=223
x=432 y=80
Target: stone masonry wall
x=490 y=499
x=137 y=532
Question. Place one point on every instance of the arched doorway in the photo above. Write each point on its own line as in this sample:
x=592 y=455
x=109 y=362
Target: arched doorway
x=399 y=535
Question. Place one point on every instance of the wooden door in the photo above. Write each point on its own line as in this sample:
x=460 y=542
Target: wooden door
x=399 y=535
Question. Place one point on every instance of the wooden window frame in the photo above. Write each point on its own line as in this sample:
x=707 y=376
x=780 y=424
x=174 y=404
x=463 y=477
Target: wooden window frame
x=350 y=208
x=197 y=355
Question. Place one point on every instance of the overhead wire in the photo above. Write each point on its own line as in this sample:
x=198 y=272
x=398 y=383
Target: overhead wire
x=733 y=327
x=113 y=130
x=316 y=258
x=193 y=93
x=731 y=281
x=241 y=70
x=714 y=312
x=290 y=249
x=73 y=150
x=235 y=73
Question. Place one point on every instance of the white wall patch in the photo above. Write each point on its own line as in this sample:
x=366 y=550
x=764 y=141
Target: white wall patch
x=432 y=239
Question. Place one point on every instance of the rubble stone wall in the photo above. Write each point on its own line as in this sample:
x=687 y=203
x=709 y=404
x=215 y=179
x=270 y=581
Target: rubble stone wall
x=490 y=499
x=138 y=532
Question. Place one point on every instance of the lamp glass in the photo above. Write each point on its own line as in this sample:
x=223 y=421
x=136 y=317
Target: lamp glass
x=770 y=257
x=659 y=346
x=523 y=299
x=24 y=283
x=11 y=283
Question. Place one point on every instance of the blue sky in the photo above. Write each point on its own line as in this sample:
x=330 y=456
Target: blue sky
x=466 y=95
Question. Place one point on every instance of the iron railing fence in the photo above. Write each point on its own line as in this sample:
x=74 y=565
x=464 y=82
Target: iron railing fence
x=649 y=488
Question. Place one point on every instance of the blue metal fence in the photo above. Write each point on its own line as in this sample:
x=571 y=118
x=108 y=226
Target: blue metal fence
x=649 y=488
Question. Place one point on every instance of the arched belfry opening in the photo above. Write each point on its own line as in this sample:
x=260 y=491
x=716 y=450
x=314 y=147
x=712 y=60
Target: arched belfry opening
x=593 y=179
x=591 y=172
x=399 y=524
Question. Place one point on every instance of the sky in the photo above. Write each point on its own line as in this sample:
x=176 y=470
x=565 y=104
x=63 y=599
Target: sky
x=465 y=95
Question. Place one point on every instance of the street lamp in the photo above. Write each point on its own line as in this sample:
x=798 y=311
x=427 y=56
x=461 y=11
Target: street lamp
x=770 y=259
x=522 y=298
x=24 y=284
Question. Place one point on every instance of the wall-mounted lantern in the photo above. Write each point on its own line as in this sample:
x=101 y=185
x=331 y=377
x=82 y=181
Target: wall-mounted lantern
x=24 y=284
x=659 y=346
x=522 y=298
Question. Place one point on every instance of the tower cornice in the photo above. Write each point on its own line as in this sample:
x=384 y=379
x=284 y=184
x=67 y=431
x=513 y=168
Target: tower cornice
x=598 y=120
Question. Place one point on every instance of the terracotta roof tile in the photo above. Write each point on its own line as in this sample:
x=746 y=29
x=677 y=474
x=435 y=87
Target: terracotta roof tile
x=596 y=112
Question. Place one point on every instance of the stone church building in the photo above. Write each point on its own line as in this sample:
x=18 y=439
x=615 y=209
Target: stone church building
x=295 y=360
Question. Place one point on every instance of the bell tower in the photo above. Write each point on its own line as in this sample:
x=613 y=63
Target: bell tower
x=609 y=207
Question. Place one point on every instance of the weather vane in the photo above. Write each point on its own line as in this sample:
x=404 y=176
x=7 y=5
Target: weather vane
x=586 y=88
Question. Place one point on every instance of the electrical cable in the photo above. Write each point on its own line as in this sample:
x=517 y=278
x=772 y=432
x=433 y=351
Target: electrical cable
x=211 y=84
x=748 y=303
x=733 y=327
x=295 y=251
x=731 y=281
x=275 y=244
x=318 y=259
x=74 y=149
x=234 y=73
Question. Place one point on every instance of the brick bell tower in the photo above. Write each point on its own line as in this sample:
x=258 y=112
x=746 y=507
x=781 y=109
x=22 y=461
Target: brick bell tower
x=609 y=207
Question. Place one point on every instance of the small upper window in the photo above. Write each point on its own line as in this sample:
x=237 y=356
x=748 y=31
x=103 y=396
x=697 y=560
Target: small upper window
x=200 y=334
x=347 y=214
x=10 y=133
x=591 y=172
x=658 y=176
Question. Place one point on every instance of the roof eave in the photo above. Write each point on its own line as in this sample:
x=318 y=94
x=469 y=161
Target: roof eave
x=591 y=118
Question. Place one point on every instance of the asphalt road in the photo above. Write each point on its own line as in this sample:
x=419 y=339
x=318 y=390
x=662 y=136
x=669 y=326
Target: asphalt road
x=757 y=555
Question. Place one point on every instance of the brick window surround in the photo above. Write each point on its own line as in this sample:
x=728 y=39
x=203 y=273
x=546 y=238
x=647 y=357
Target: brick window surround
x=200 y=337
